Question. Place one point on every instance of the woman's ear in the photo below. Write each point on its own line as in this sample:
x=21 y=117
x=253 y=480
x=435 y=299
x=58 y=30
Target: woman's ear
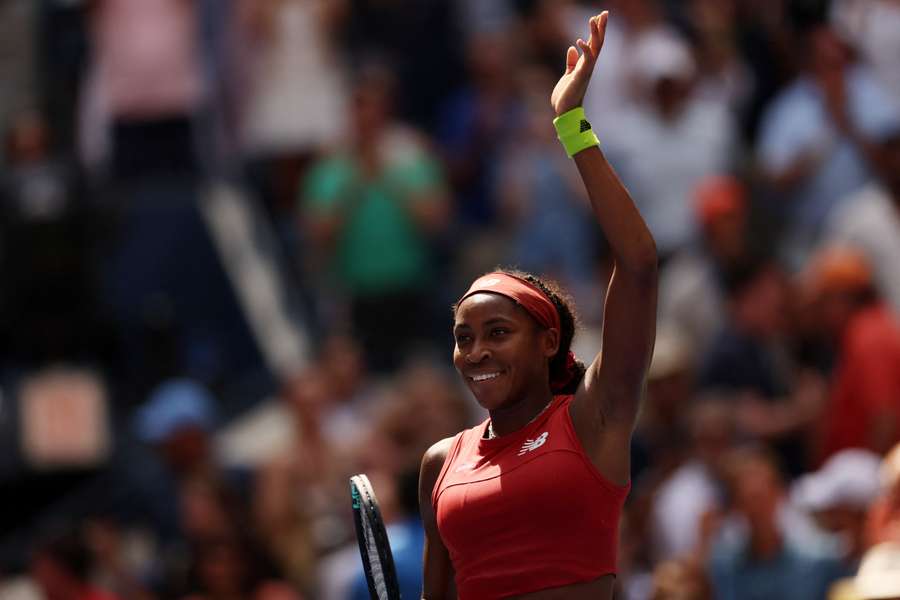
x=550 y=342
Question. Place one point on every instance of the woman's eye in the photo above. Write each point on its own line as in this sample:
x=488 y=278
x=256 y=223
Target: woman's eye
x=462 y=339
x=499 y=331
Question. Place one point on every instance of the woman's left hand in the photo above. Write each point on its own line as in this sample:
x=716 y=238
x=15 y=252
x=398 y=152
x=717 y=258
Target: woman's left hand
x=570 y=89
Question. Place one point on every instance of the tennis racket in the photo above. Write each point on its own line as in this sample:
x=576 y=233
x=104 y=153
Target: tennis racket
x=374 y=547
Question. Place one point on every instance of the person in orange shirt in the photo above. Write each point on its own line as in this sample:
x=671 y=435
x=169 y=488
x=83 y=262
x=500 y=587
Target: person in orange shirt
x=863 y=409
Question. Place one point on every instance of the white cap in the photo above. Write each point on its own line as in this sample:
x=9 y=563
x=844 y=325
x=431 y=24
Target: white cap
x=662 y=53
x=850 y=478
x=879 y=573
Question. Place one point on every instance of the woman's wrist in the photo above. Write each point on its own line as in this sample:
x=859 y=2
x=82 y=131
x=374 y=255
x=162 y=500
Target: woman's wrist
x=560 y=111
x=574 y=131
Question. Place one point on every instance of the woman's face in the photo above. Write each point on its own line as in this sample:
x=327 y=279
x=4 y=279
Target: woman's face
x=500 y=351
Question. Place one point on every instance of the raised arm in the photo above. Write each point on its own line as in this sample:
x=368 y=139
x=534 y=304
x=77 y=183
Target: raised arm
x=607 y=403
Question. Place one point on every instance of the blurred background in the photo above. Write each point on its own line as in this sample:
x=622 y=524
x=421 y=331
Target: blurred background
x=231 y=232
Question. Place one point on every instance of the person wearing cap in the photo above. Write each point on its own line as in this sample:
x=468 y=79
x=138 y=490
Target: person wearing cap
x=527 y=504
x=691 y=295
x=863 y=408
x=838 y=497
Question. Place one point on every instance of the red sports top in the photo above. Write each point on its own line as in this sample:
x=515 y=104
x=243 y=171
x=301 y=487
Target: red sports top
x=526 y=511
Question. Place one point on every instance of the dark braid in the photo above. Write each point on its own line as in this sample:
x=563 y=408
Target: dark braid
x=568 y=321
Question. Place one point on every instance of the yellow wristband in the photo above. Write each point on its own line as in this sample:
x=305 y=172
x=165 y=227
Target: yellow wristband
x=574 y=131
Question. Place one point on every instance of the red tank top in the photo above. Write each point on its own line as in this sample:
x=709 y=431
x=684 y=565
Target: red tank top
x=526 y=511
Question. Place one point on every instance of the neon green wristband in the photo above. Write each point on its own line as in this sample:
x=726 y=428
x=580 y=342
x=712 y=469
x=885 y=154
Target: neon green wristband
x=574 y=131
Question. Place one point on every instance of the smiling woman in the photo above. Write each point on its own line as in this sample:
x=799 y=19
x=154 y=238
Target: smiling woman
x=514 y=310
x=527 y=504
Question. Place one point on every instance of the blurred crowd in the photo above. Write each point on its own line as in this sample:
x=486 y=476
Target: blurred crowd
x=396 y=149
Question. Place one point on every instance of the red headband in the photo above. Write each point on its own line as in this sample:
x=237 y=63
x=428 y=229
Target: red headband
x=526 y=295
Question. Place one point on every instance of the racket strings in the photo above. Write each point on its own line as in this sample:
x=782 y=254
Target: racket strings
x=372 y=547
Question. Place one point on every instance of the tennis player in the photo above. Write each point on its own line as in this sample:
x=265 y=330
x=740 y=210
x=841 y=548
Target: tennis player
x=527 y=504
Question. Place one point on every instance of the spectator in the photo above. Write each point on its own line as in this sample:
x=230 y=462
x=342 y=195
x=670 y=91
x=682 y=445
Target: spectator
x=298 y=490
x=147 y=82
x=838 y=497
x=765 y=39
x=692 y=491
x=396 y=32
x=723 y=73
x=121 y=557
x=230 y=568
x=870 y=220
x=18 y=86
x=750 y=359
x=871 y=26
x=862 y=410
x=756 y=555
x=614 y=90
x=47 y=241
x=372 y=210
x=691 y=297
x=62 y=568
x=286 y=121
x=649 y=139
x=475 y=125
x=179 y=491
x=815 y=143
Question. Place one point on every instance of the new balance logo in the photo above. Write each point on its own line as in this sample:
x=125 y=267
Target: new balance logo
x=583 y=126
x=534 y=444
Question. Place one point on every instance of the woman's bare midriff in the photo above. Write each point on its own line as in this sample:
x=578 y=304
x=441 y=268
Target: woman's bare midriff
x=598 y=589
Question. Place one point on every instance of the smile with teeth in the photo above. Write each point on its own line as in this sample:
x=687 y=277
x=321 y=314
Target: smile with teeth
x=485 y=377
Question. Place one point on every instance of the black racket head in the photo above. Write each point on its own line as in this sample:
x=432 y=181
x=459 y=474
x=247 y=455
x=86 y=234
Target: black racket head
x=374 y=547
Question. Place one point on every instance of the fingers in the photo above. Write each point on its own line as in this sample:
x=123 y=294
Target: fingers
x=585 y=49
x=598 y=32
x=571 y=59
x=591 y=48
x=587 y=62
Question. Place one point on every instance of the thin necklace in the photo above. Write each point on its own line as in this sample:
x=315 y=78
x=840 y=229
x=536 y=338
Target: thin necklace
x=492 y=435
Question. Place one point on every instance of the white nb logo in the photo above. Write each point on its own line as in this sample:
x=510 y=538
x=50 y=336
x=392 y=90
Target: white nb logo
x=534 y=444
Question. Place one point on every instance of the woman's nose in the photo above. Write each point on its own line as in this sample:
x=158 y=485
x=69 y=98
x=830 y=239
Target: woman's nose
x=477 y=354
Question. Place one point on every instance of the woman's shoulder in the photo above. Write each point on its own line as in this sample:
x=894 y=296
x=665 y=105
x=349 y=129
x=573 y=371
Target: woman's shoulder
x=437 y=453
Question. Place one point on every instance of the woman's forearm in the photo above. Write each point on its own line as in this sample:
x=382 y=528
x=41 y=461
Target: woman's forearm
x=628 y=235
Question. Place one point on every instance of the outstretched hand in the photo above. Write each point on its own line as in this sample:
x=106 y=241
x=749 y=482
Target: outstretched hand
x=570 y=89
